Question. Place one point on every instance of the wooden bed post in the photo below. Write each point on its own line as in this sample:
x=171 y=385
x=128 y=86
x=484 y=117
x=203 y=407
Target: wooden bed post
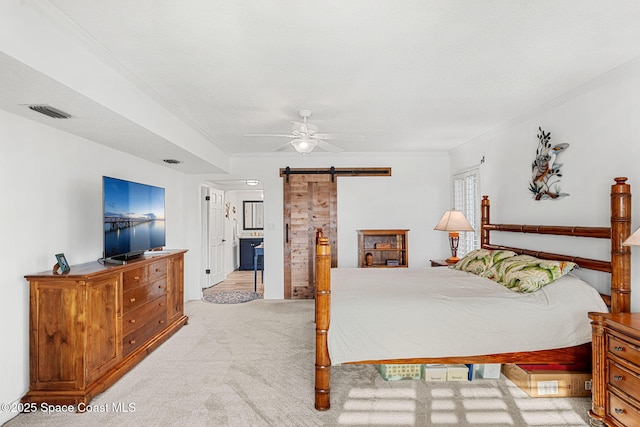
x=620 y=255
x=323 y=302
x=485 y=209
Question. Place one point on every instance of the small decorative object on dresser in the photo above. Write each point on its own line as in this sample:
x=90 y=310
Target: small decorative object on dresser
x=616 y=369
x=62 y=264
x=368 y=259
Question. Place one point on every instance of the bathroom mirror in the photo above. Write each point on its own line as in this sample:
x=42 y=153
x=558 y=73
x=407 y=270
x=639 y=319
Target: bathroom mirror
x=253 y=215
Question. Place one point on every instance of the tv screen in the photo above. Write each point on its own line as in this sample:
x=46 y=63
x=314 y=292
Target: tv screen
x=133 y=218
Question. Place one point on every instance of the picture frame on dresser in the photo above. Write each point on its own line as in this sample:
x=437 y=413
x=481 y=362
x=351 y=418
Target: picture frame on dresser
x=63 y=264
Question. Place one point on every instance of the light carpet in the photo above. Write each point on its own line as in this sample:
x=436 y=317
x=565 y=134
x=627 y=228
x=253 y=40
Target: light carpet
x=252 y=364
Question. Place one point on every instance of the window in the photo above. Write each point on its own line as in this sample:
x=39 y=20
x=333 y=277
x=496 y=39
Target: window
x=467 y=200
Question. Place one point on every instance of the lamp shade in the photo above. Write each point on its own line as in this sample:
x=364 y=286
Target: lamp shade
x=453 y=220
x=304 y=145
x=633 y=240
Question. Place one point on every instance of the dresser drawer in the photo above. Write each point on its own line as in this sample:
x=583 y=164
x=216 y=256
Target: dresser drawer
x=136 y=297
x=135 y=319
x=623 y=378
x=623 y=350
x=622 y=411
x=134 y=278
x=152 y=325
x=157 y=270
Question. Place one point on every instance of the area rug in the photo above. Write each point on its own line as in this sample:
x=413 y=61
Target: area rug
x=231 y=297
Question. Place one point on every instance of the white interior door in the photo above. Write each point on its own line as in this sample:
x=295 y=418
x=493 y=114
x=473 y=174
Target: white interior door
x=214 y=253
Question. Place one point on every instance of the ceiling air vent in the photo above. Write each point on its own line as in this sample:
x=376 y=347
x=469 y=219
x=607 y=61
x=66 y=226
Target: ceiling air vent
x=48 y=110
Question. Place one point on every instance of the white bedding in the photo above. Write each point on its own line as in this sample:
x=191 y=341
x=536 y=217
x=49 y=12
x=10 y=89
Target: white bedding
x=379 y=314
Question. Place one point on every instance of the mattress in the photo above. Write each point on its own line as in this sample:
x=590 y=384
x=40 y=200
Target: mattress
x=400 y=313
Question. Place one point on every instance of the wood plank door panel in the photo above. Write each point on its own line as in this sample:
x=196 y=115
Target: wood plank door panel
x=310 y=202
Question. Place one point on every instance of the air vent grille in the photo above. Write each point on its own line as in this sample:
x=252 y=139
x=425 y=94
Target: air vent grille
x=48 y=110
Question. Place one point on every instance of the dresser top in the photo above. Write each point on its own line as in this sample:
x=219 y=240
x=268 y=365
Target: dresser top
x=629 y=322
x=82 y=271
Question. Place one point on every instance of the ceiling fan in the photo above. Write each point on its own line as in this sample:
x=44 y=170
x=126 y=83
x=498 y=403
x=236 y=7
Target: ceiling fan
x=305 y=136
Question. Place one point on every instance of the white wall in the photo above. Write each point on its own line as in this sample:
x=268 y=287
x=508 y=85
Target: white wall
x=414 y=197
x=51 y=203
x=600 y=122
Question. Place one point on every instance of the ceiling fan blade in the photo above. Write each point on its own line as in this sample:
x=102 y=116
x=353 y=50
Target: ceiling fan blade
x=285 y=147
x=326 y=146
x=270 y=134
x=343 y=136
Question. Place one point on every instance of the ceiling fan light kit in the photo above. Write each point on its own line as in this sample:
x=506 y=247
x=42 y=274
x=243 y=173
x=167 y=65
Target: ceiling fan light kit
x=305 y=136
x=304 y=145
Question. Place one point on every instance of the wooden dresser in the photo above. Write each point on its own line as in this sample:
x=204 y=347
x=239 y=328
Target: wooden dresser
x=616 y=369
x=90 y=326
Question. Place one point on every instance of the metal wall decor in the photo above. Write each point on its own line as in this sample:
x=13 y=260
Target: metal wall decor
x=545 y=170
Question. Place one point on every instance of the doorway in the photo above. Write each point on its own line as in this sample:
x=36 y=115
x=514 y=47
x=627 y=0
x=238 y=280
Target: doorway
x=310 y=203
x=225 y=226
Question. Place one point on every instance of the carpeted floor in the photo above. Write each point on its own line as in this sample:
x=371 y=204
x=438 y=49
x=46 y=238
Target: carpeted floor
x=252 y=365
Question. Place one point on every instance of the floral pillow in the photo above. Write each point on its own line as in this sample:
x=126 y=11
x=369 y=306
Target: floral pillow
x=526 y=274
x=480 y=261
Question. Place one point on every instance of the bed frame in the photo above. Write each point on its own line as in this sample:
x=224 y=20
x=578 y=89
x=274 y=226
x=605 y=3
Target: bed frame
x=618 y=301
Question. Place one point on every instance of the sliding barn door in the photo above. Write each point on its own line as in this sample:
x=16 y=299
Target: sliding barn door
x=310 y=202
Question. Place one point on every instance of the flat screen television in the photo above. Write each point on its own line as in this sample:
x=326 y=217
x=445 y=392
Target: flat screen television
x=134 y=220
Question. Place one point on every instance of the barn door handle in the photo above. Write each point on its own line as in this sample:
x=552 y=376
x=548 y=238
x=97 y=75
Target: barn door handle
x=286 y=233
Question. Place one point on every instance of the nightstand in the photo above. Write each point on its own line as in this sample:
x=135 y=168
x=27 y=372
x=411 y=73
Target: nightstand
x=438 y=263
x=616 y=369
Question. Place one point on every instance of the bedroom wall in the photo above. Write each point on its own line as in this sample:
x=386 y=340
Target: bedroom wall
x=600 y=122
x=414 y=197
x=51 y=203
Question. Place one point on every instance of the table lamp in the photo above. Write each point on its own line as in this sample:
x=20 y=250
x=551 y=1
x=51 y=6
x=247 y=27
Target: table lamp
x=454 y=221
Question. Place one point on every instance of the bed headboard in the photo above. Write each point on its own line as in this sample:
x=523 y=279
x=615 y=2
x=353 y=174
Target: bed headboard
x=619 y=265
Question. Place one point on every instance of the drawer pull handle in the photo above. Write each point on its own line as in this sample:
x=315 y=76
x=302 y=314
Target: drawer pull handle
x=136 y=278
x=132 y=342
x=160 y=286
x=161 y=322
x=618 y=378
x=132 y=300
x=618 y=348
x=132 y=321
x=619 y=411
